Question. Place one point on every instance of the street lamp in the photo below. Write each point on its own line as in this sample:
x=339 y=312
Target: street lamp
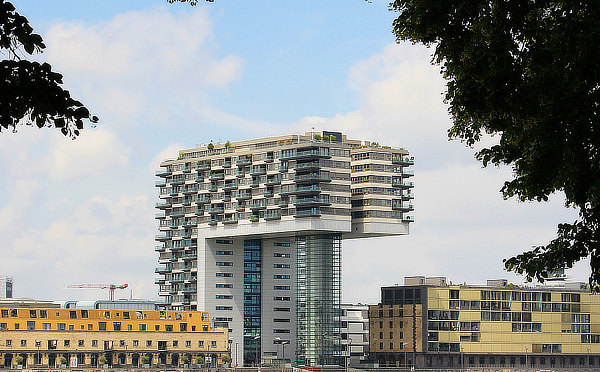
x=525 y=356
x=283 y=343
x=404 y=344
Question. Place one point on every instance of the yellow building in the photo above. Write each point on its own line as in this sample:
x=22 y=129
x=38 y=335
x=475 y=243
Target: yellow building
x=498 y=325
x=48 y=337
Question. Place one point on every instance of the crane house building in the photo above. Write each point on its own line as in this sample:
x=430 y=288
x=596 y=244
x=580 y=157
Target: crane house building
x=252 y=232
x=51 y=337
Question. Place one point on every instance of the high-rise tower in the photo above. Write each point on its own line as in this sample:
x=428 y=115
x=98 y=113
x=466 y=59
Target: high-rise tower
x=251 y=231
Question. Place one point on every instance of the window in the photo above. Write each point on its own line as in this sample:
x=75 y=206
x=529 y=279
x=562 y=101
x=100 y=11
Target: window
x=224 y=275
x=169 y=327
x=281 y=277
x=220 y=263
x=125 y=315
x=223 y=307
x=67 y=343
x=43 y=313
x=102 y=326
x=224 y=253
x=200 y=343
x=8 y=343
x=281 y=244
x=5 y=313
x=281 y=287
x=61 y=326
x=32 y=314
x=38 y=343
x=84 y=313
x=281 y=331
x=3 y=326
x=46 y=326
x=148 y=343
x=281 y=266
x=17 y=326
x=90 y=327
x=218 y=285
x=224 y=241
x=142 y=327
x=391 y=324
x=213 y=344
x=94 y=343
x=286 y=309
x=157 y=327
x=281 y=298
x=175 y=343
x=281 y=320
x=73 y=314
x=23 y=343
x=223 y=297
x=30 y=325
x=188 y=344
x=80 y=343
x=116 y=326
x=136 y=343
x=182 y=327
x=281 y=255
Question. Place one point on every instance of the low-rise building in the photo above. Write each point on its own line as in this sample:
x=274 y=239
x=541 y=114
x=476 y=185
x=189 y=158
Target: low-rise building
x=49 y=337
x=429 y=323
x=355 y=333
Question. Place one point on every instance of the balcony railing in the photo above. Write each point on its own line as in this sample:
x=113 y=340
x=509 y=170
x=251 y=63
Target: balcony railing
x=403 y=160
x=313 y=212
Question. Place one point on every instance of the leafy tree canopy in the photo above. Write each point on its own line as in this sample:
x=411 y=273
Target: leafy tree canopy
x=528 y=72
x=30 y=92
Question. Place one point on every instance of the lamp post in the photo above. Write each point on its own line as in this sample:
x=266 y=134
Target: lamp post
x=404 y=347
x=462 y=358
x=277 y=342
x=283 y=343
x=525 y=356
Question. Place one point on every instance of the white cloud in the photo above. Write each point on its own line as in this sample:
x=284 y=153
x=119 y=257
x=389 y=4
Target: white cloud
x=142 y=66
x=96 y=152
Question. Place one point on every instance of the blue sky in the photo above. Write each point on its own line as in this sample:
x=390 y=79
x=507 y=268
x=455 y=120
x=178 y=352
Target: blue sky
x=164 y=77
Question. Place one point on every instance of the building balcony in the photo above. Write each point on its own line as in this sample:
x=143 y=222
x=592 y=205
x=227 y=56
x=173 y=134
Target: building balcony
x=254 y=218
x=163 y=172
x=226 y=164
x=244 y=195
x=403 y=184
x=190 y=190
x=177 y=181
x=240 y=173
x=307 y=190
x=162 y=270
x=199 y=179
x=213 y=222
x=258 y=204
x=216 y=209
x=213 y=188
x=403 y=160
x=163 y=205
x=408 y=173
x=407 y=196
x=159 y=248
x=159 y=281
x=161 y=237
x=202 y=199
x=272 y=215
x=313 y=212
x=268 y=193
x=230 y=220
x=312 y=165
x=199 y=212
x=216 y=176
x=230 y=186
x=258 y=171
x=312 y=177
x=203 y=166
x=404 y=207
x=159 y=216
x=316 y=201
x=240 y=207
x=161 y=183
x=177 y=214
x=243 y=161
x=273 y=180
x=408 y=219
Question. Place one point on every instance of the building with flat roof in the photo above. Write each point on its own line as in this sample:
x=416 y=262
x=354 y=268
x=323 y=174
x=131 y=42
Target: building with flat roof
x=354 y=333
x=251 y=231
x=430 y=323
x=49 y=337
x=6 y=287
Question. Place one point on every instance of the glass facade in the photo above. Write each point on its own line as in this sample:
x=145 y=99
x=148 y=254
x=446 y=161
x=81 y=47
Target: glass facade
x=252 y=301
x=318 y=302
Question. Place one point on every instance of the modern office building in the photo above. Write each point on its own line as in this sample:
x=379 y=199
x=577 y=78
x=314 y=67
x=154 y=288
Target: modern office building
x=354 y=333
x=48 y=337
x=430 y=323
x=6 y=287
x=251 y=231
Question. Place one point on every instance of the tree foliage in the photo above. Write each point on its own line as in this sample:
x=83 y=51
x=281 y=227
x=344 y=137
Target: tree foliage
x=30 y=92
x=528 y=72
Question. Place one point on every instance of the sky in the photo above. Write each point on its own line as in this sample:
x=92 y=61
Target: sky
x=163 y=77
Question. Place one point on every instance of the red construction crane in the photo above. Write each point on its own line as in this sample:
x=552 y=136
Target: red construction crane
x=111 y=288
